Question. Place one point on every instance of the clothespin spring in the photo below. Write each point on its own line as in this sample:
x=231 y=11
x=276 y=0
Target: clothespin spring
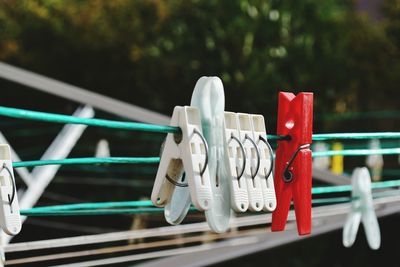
x=243 y=156
x=271 y=152
x=287 y=173
x=247 y=137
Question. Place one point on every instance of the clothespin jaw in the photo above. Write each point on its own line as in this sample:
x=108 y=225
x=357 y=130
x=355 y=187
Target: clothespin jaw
x=362 y=209
x=293 y=169
x=10 y=219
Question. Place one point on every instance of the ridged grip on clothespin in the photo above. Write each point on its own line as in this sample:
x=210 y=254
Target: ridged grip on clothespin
x=362 y=210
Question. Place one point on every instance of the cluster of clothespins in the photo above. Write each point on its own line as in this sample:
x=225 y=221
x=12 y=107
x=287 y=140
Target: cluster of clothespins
x=222 y=161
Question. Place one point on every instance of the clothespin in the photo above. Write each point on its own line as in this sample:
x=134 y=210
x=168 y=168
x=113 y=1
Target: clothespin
x=321 y=163
x=362 y=209
x=293 y=168
x=208 y=96
x=102 y=149
x=236 y=160
x=187 y=151
x=337 y=161
x=375 y=162
x=10 y=219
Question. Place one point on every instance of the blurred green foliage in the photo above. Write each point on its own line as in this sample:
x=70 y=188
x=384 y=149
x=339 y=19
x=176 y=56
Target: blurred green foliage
x=151 y=52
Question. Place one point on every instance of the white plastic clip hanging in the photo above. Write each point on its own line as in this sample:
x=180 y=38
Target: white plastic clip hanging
x=362 y=209
x=321 y=163
x=188 y=149
x=264 y=175
x=236 y=160
x=375 y=162
x=208 y=96
x=254 y=190
x=10 y=219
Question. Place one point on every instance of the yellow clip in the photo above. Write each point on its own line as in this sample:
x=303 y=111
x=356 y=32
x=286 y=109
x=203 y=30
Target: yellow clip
x=337 y=161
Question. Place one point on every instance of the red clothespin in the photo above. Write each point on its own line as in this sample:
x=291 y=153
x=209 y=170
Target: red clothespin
x=293 y=168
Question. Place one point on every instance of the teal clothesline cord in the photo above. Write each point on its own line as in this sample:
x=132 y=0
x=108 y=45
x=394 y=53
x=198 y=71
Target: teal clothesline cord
x=357 y=152
x=75 y=161
x=32 y=212
x=151 y=160
x=49 y=117
x=348 y=188
x=355 y=136
x=58 y=118
x=344 y=136
x=97 y=205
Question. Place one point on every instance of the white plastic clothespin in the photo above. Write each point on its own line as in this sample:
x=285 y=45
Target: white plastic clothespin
x=102 y=149
x=375 y=162
x=236 y=160
x=321 y=163
x=208 y=96
x=265 y=173
x=10 y=219
x=362 y=209
x=188 y=150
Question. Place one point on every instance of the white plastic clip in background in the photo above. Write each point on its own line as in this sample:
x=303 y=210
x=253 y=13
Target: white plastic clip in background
x=321 y=163
x=375 y=162
x=264 y=174
x=189 y=148
x=362 y=209
x=10 y=219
